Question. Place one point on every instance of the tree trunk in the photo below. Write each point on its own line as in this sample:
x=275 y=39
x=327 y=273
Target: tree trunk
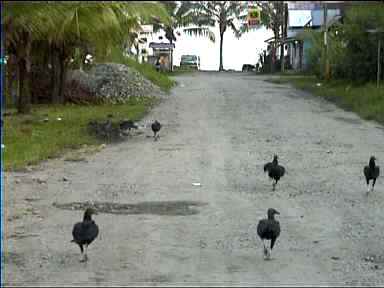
x=55 y=76
x=137 y=52
x=63 y=78
x=24 y=65
x=11 y=79
x=221 y=68
x=24 y=99
x=58 y=75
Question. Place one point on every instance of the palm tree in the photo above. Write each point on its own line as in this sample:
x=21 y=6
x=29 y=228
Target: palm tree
x=67 y=26
x=224 y=13
x=273 y=16
x=23 y=22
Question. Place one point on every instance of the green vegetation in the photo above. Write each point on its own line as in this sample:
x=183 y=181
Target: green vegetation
x=56 y=35
x=352 y=51
x=60 y=36
x=352 y=55
x=366 y=100
x=28 y=139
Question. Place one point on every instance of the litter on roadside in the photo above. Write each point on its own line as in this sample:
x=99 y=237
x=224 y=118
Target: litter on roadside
x=196 y=184
x=58 y=119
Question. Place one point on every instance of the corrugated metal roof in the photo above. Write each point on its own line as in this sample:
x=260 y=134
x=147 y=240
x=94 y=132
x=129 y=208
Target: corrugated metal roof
x=155 y=45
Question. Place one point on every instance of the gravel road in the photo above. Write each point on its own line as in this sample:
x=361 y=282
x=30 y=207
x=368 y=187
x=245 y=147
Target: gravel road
x=218 y=130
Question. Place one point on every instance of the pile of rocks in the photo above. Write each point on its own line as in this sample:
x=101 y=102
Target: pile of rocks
x=112 y=83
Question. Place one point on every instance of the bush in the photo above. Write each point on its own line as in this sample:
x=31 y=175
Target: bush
x=352 y=51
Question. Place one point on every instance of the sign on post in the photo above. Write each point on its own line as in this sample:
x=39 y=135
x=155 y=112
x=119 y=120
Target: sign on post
x=254 y=16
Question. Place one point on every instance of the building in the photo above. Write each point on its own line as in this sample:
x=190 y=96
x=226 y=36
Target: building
x=310 y=15
x=304 y=15
x=163 y=54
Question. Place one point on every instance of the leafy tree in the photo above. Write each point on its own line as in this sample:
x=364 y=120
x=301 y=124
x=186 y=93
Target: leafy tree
x=61 y=27
x=273 y=17
x=207 y=14
x=352 y=51
x=181 y=13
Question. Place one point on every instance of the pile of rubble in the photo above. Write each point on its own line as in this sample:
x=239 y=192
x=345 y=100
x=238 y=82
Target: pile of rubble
x=108 y=83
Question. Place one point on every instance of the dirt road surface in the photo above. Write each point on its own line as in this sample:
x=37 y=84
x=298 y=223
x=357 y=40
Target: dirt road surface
x=218 y=130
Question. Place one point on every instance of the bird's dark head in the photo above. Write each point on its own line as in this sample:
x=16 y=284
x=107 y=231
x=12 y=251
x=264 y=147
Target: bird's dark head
x=372 y=161
x=271 y=213
x=275 y=158
x=89 y=212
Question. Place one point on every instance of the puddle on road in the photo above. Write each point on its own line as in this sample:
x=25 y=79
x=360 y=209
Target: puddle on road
x=348 y=120
x=14 y=258
x=163 y=208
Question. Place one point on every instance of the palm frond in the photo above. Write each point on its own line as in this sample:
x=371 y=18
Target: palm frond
x=200 y=31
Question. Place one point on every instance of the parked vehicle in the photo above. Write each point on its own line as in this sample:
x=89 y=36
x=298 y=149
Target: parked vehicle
x=248 y=67
x=192 y=61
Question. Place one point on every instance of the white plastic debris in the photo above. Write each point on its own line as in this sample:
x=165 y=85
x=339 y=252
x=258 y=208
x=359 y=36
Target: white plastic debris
x=196 y=184
x=2 y=146
x=58 y=119
x=318 y=84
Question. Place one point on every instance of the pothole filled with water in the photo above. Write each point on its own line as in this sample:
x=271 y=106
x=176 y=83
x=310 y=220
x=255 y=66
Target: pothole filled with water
x=166 y=208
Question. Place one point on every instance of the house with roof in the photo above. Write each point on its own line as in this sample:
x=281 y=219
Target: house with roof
x=304 y=15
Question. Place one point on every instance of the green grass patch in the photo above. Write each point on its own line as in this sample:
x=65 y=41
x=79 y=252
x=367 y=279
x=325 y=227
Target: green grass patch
x=28 y=139
x=365 y=100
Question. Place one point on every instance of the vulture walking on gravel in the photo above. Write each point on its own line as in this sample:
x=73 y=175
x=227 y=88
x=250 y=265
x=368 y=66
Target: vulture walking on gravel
x=85 y=232
x=275 y=171
x=156 y=126
x=371 y=172
x=269 y=229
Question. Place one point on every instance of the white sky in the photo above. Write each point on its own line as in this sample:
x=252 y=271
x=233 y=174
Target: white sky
x=236 y=52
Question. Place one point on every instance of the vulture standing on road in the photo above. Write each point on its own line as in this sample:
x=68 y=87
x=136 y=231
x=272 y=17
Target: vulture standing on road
x=156 y=126
x=269 y=229
x=127 y=125
x=275 y=171
x=371 y=172
x=85 y=232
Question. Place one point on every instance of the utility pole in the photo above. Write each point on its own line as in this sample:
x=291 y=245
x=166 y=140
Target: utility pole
x=376 y=31
x=284 y=33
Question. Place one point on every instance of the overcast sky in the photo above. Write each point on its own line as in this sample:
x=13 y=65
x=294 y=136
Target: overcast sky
x=236 y=52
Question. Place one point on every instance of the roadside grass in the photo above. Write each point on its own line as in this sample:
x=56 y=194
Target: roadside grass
x=365 y=100
x=29 y=140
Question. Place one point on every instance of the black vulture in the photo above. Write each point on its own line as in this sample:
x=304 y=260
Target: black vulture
x=275 y=171
x=371 y=172
x=156 y=126
x=127 y=125
x=85 y=232
x=269 y=229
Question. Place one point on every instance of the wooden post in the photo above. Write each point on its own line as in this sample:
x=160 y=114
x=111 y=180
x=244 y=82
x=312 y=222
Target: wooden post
x=326 y=60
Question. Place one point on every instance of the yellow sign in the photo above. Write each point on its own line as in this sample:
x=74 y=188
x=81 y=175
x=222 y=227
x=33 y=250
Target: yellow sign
x=253 y=18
